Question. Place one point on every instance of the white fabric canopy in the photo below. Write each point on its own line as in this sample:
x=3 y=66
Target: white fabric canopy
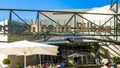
x=27 y=48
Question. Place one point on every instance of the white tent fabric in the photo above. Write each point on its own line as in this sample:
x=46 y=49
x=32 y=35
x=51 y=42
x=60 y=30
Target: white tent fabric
x=100 y=18
x=27 y=48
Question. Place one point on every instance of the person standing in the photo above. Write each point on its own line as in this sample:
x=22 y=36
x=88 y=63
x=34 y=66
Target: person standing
x=62 y=65
x=50 y=65
x=46 y=65
x=105 y=63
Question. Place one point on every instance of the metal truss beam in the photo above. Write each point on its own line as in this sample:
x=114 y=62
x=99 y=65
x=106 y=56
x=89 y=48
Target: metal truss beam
x=114 y=6
x=103 y=40
x=108 y=20
x=28 y=26
x=48 y=17
x=111 y=48
x=69 y=19
x=87 y=20
x=55 y=12
x=63 y=12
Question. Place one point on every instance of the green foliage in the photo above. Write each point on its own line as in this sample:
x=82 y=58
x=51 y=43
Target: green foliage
x=18 y=66
x=6 y=61
x=117 y=59
x=70 y=64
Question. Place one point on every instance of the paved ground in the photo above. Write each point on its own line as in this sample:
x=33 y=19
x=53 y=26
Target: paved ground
x=92 y=66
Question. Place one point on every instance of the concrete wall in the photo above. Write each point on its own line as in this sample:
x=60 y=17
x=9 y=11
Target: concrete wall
x=3 y=37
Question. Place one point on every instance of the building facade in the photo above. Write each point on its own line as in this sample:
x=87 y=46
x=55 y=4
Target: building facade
x=86 y=34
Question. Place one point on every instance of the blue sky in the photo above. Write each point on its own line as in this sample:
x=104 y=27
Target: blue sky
x=48 y=5
x=53 y=4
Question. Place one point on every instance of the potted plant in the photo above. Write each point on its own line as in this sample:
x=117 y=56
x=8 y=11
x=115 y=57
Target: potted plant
x=6 y=61
x=18 y=65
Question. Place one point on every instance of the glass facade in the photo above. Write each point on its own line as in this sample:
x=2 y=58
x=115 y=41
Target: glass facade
x=77 y=52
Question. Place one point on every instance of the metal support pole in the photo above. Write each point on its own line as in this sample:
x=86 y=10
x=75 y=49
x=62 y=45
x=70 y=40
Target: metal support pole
x=9 y=26
x=75 y=24
x=37 y=21
x=115 y=10
x=116 y=29
x=116 y=19
x=25 y=61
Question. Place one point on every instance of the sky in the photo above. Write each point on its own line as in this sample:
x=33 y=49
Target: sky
x=48 y=5
x=53 y=4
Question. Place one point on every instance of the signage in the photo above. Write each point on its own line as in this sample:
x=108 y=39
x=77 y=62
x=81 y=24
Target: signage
x=81 y=27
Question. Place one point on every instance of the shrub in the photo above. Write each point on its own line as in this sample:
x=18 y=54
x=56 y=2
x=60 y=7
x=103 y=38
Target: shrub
x=6 y=61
